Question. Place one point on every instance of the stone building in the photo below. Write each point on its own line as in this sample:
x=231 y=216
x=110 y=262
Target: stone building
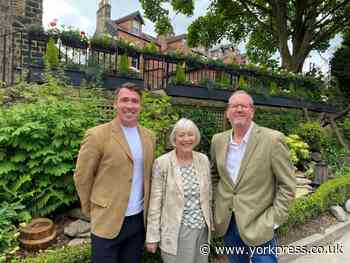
x=15 y=17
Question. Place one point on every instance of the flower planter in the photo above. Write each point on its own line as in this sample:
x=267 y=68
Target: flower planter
x=102 y=49
x=74 y=42
x=39 y=36
x=112 y=82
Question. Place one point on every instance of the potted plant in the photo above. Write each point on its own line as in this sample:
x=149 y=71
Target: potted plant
x=103 y=43
x=74 y=38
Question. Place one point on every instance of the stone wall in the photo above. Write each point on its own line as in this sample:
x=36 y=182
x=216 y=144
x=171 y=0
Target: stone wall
x=15 y=17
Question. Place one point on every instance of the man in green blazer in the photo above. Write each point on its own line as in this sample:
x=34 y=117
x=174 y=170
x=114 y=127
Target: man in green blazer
x=254 y=183
x=112 y=178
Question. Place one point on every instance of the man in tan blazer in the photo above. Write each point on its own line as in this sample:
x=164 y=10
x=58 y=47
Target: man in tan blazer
x=254 y=183
x=112 y=178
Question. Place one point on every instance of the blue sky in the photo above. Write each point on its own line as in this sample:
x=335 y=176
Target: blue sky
x=82 y=14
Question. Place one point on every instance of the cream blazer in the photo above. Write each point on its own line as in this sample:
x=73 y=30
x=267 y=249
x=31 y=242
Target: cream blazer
x=167 y=199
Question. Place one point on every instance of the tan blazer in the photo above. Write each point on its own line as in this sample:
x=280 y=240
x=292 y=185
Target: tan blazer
x=264 y=188
x=103 y=176
x=167 y=199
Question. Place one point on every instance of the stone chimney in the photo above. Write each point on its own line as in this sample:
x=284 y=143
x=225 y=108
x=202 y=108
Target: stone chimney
x=103 y=15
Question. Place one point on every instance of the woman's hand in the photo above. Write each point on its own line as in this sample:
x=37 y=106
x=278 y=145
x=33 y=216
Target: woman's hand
x=152 y=247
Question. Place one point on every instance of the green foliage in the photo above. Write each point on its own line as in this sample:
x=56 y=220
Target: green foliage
x=332 y=192
x=282 y=120
x=251 y=21
x=76 y=254
x=340 y=65
x=40 y=138
x=299 y=150
x=150 y=48
x=344 y=125
x=71 y=36
x=51 y=54
x=205 y=121
x=314 y=135
x=159 y=116
x=180 y=75
x=10 y=214
x=123 y=68
x=104 y=41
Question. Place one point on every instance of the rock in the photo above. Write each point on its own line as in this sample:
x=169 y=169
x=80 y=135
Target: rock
x=338 y=212
x=316 y=156
x=76 y=213
x=303 y=181
x=347 y=206
x=84 y=235
x=78 y=241
x=301 y=192
x=77 y=228
x=299 y=174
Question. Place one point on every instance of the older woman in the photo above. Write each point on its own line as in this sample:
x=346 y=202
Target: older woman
x=179 y=215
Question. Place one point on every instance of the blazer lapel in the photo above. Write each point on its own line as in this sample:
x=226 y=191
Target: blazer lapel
x=252 y=143
x=223 y=151
x=146 y=145
x=120 y=137
x=201 y=174
x=176 y=171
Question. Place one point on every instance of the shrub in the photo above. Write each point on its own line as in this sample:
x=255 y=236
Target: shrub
x=206 y=122
x=180 y=75
x=159 y=116
x=40 y=135
x=51 y=54
x=299 y=150
x=124 y=65
x=314 y=135
x=9 y=215
x=344 y=124
x=332 y=192
x=283 y=120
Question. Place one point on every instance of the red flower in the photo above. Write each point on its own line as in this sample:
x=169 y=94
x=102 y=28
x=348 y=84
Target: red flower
x=52 y=24
x=82 y=33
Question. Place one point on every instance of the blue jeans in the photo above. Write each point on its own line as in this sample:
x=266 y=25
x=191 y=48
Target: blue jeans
x=245 y=254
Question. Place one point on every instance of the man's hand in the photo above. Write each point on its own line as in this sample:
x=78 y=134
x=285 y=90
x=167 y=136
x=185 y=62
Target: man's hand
x=152 y=247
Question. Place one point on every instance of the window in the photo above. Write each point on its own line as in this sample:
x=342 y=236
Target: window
x=136 y=27
x=135 y=63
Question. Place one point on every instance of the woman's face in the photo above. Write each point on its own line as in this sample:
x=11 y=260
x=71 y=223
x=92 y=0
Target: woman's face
x=185 y=140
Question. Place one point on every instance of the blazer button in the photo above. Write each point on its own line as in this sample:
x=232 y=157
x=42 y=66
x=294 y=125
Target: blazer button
x=130 y=180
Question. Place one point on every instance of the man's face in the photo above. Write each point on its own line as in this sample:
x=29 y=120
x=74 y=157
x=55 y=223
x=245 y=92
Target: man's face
x=128 y=106
x=240 y=111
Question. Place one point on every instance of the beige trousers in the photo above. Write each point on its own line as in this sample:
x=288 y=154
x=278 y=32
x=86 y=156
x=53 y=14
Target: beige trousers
x=189 y=242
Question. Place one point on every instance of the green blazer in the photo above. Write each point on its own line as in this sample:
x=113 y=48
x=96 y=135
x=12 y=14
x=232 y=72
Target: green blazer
x=263 y=191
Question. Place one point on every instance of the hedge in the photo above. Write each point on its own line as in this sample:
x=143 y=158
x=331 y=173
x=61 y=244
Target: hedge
x=333 y=192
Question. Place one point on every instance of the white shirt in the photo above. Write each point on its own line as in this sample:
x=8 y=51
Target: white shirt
x=236 y=153
x=135 y=204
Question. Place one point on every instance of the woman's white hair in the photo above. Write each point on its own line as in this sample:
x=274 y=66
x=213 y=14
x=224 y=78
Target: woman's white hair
x=185 y=124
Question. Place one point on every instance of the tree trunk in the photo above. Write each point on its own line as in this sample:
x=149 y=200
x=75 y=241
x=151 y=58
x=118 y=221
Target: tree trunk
x=293 y=63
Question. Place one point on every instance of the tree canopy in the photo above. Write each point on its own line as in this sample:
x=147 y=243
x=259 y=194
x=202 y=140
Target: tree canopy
x=340 y=65
x=291 y=27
